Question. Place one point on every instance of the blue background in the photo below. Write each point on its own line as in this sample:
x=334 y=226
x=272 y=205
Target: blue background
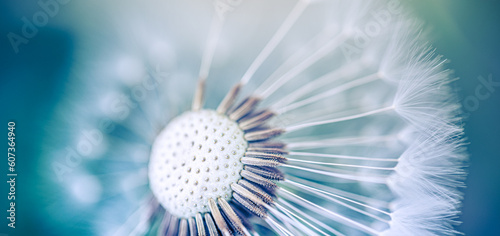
x=34 y=81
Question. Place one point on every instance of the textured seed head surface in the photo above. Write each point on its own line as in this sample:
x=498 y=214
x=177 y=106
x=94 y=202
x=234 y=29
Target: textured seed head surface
x=195 y=158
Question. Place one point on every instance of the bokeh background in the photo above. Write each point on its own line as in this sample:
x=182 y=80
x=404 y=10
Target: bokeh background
x=35 y=81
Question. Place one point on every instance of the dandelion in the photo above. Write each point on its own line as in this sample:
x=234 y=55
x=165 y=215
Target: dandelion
x=292 y=118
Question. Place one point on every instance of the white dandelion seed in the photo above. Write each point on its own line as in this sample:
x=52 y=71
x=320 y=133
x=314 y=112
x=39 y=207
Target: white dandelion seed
x=303 y=118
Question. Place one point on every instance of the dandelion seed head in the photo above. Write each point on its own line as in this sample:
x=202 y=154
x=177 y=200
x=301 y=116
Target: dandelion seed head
x=340 y=121
x=185 y=161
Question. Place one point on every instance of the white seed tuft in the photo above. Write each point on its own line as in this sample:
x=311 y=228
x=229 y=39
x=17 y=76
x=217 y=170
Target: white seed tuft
x=193 y=160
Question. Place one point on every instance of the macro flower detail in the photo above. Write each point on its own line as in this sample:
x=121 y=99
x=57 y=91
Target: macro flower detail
x=218 y=156
x=281 y=118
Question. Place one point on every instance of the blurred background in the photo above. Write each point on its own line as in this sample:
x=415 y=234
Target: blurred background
x=35 y=79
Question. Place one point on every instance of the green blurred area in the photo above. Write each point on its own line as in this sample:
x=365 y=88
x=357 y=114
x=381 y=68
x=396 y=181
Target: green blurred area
x=33 y=81
x=468 y=34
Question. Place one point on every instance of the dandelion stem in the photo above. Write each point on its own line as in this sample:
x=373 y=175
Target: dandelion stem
x=325 y=193
x=332 y=76
x=296 y=58
x=299 y=212
x=211 y=44
x=342 y=156
x=339 y=142
x=317 y=55
x=290 y=222
x=292 y=215
x=276 y=39
x=349 y=195
x=339 y=89
x=321 y=210
x=331 y=121
x=206 y=61
x=198 y=95
x=277 y=227
x=139 y=217
x=338 y=164
x=368 y=179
